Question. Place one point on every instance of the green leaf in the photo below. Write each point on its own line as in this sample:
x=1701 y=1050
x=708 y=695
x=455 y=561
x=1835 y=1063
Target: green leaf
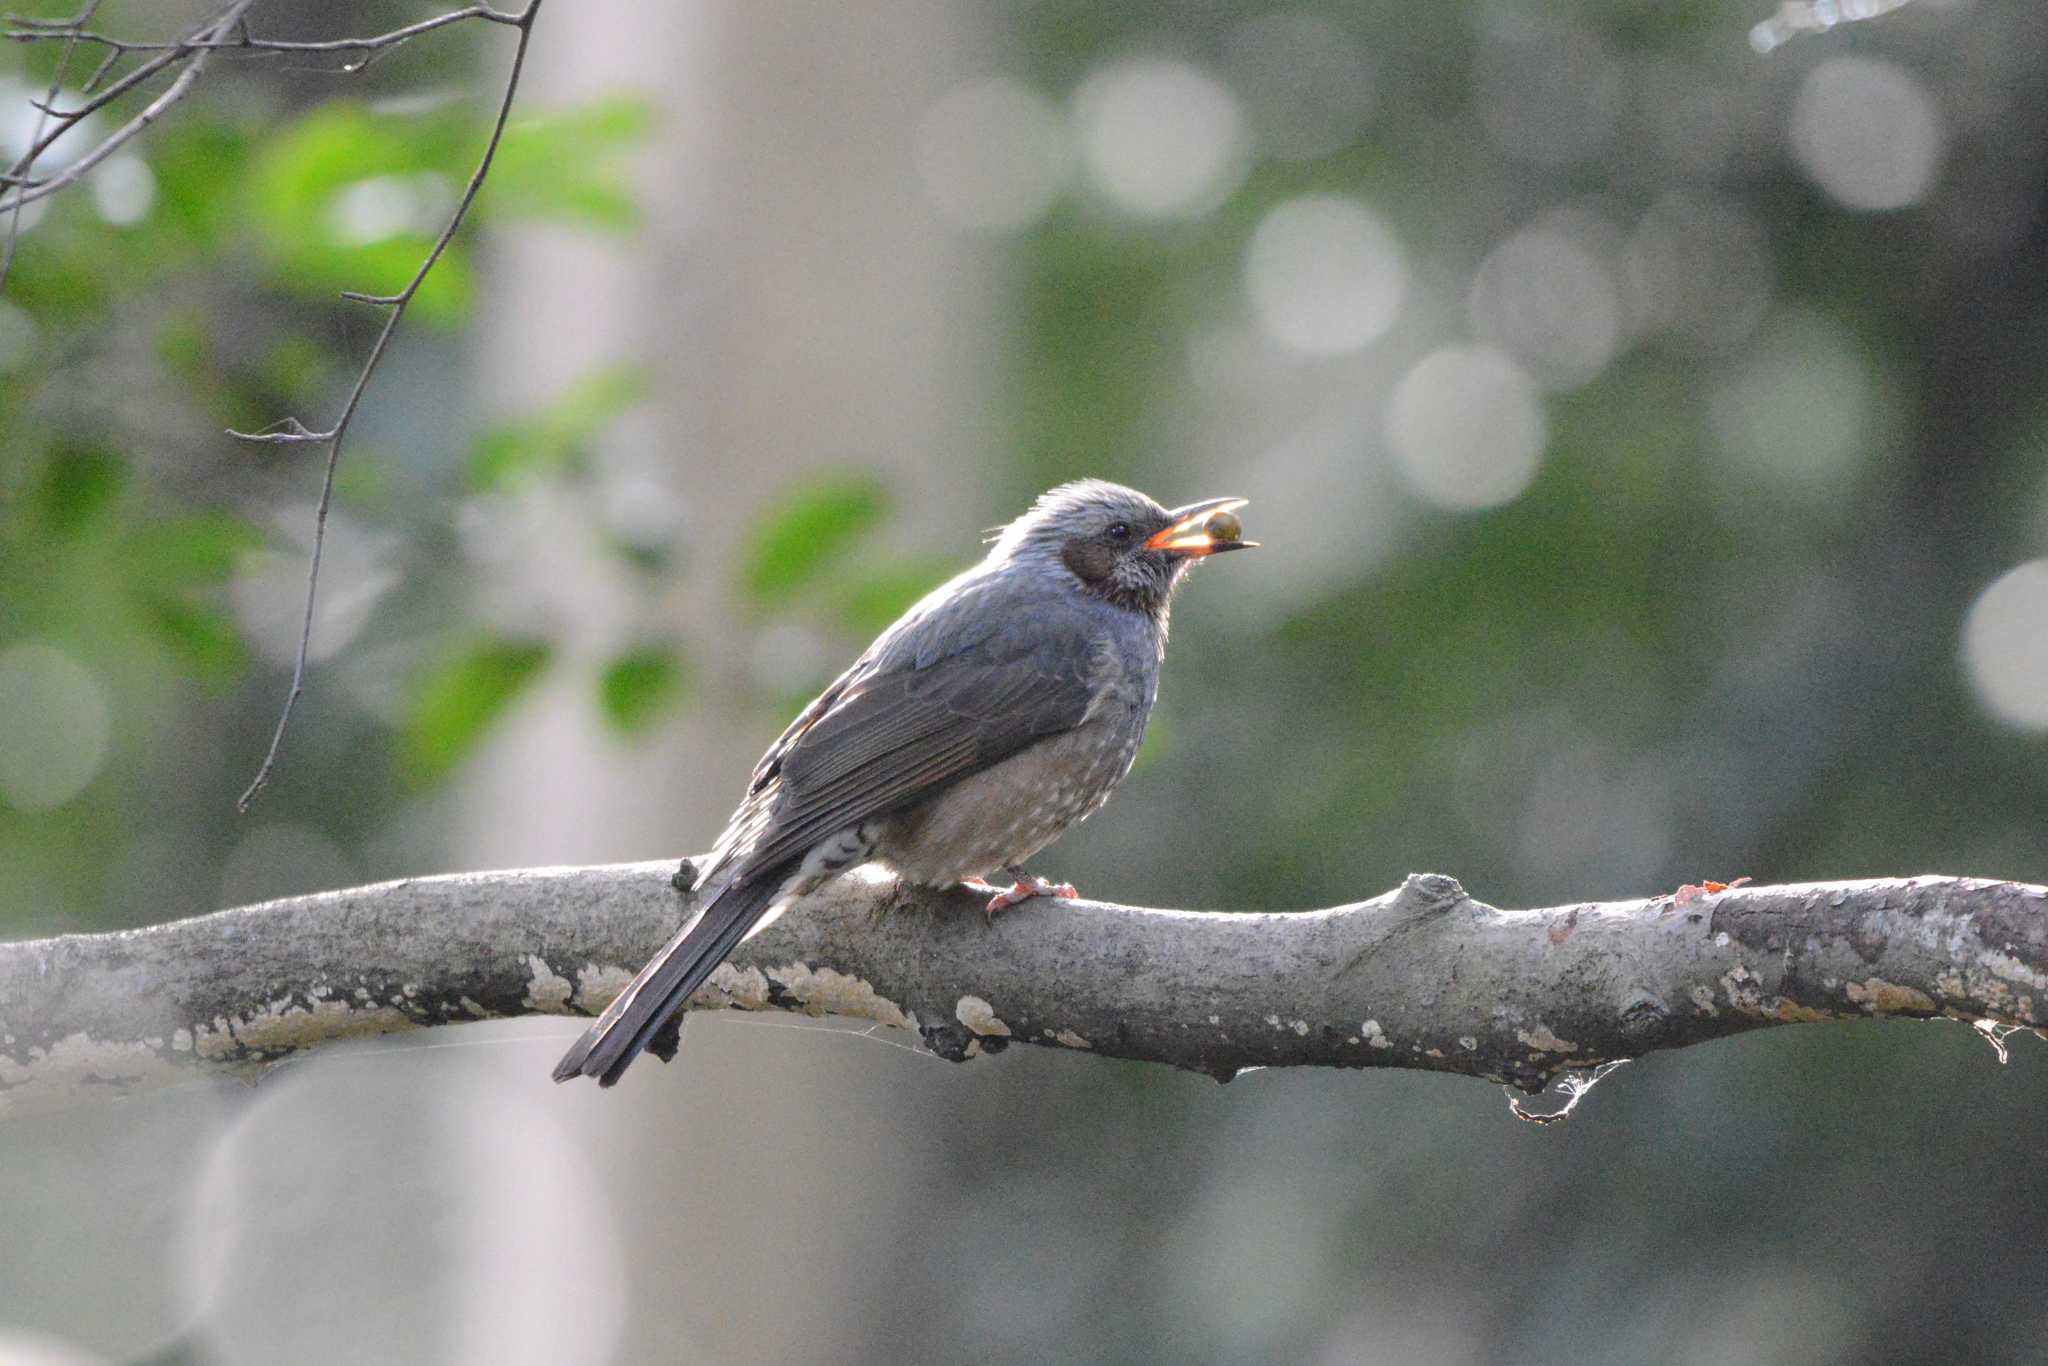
x=457 y=698
x=875 y=599
x=554 y=438
x=797 y=541
x=78 y=487
x=366 y=482
x=638 y=687
x=570 y=165
x=192 y=159
x=299 y=186
x=303 y=183
x=295 y=368
x=204 y=642
x=186 y=551
x=185 y=348
x=65 y=274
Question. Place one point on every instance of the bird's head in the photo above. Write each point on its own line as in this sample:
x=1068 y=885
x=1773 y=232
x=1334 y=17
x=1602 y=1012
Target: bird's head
x=1119 y=544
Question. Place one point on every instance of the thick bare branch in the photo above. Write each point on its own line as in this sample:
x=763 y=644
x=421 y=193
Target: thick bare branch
x=1422 y=977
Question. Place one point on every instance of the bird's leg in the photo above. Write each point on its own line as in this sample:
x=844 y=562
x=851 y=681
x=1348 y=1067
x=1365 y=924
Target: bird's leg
x=1024 y=887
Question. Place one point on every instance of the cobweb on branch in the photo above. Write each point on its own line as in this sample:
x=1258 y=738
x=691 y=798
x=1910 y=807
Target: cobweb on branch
x=1572 y=1086
x=1995 y=1034
x=1795 y=17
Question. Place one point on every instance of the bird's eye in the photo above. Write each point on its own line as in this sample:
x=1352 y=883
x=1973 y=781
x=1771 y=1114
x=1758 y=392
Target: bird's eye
x=1119 y=531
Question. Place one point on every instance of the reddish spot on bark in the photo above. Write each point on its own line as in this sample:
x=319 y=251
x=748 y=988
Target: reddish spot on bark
x=1561 y=930
x=1693 y=891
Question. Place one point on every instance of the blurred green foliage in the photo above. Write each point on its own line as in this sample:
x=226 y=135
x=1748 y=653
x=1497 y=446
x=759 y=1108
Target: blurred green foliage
x=455 y=699
x=639 y=688
x=296 y=183
x=570 y=166
x=77 y=548
x=124 y=511
x=797 y=541
x=552 y=441
x=876 y=595
x=1654 y=665
x=406 y=170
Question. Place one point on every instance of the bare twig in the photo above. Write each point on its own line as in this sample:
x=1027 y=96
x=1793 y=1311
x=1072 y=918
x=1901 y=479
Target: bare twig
x=291 y=431
x=195 y=55
x=64 y=120
x=26 y=166
x=229 y=32
x=1421 y=977
x=31 y=31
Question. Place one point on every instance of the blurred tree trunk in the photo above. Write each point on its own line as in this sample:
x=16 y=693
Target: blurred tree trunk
x=800 y=313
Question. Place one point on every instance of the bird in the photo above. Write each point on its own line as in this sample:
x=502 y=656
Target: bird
x=999 y=710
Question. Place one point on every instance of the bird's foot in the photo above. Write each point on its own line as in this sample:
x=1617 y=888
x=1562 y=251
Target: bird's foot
x=1025 y=887
x=902 y=897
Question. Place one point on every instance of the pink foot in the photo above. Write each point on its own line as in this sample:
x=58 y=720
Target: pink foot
x=1025 y=889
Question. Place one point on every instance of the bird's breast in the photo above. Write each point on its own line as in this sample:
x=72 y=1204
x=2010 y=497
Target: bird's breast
x=1008 y=812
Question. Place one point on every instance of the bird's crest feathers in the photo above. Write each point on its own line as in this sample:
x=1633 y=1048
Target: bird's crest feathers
x=1057 y=506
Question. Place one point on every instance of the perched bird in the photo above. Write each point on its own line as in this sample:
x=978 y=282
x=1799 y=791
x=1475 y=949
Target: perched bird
x=1001 y=709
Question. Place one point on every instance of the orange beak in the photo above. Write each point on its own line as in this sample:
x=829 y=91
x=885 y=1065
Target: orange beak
x=1189 y=534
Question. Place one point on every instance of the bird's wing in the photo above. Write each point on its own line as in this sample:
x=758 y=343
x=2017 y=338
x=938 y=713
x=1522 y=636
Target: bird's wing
x=888 y=731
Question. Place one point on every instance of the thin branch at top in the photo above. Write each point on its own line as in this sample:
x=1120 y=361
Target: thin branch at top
x=27 y=164
x=292 y=431
x=228 y=32
x=244 y=41
x=28 y=190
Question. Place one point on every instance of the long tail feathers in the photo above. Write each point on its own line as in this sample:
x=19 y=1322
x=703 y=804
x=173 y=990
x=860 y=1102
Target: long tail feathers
x=608 y=1047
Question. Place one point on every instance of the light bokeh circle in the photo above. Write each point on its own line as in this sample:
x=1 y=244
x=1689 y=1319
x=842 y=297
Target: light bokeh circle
x=1466 y=428
x=1868 y=133
x=1324 y=275
x=1160 y=137
x=56 y=724
x=2005 y=646
x=991 y=155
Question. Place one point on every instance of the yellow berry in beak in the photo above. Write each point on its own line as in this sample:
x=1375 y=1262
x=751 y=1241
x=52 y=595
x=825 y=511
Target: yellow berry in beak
x=1204 y=528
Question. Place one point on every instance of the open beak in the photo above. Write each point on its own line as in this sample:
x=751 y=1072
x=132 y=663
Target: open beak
x=1189 y=534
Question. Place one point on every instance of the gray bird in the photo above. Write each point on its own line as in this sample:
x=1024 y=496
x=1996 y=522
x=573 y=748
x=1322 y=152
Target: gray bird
x=998 y=711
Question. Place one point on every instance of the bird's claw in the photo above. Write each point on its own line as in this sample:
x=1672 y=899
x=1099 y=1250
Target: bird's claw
x=1024 y=890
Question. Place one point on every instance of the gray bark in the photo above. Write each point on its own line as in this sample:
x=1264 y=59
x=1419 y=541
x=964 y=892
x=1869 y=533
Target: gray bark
x=1423 y=976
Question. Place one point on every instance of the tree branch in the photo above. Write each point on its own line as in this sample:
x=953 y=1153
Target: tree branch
x=228 y=32
x=26 y=166
x=292 y=431
x=1422 y=977
x=366 y=49
x=194 y=54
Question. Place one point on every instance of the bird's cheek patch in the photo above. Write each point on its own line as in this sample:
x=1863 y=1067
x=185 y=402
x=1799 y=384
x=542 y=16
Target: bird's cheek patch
x=1090 y=561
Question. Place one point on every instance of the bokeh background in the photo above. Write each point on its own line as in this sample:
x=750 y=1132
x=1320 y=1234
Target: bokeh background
x=1648 y=438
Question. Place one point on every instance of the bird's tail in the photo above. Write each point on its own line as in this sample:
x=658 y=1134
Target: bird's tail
x=609 y=1046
